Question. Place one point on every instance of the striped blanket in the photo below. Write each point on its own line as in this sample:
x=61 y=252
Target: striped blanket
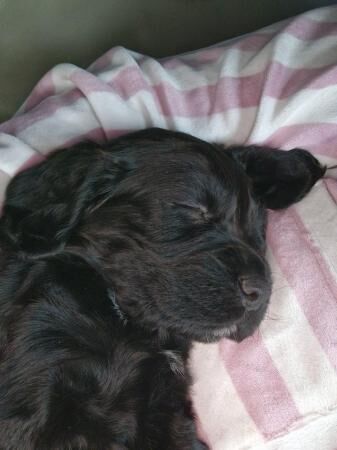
x=278 y=86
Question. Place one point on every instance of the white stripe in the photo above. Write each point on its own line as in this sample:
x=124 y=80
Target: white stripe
x=140 y=111
x=233 y=62
x=69 y=122
x=320 y=433
x=224 y=417
x=61 y=77
x=283 y=48
x=305 y=107
x=4 y=180
x=296 y=352
x=318 y=212
x=13 y=153
x=63 y=125
x=328 y=161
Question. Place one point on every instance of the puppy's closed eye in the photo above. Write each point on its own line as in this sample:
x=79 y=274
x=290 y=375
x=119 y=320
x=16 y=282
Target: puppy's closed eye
x=199 y=213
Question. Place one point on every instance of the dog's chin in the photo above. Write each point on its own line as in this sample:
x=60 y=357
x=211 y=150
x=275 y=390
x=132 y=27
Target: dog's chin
x=226 y=332
x=207 y=336
x=236 y=331
x=245 y=327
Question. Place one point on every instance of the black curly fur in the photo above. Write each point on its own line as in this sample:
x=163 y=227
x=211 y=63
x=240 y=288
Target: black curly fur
x=112 y=261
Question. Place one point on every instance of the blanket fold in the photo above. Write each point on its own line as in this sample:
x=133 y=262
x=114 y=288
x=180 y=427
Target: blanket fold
x=278 y=86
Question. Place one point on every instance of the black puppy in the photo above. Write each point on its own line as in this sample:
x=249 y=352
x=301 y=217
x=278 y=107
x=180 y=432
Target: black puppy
x=113 y=260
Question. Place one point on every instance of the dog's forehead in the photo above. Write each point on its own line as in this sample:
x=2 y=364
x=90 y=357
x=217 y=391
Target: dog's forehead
x=201 y=176
x=188 y=167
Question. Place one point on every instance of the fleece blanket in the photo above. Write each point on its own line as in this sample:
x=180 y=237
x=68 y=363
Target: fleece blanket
x=278 y=389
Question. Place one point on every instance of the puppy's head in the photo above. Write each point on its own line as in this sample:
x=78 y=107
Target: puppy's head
x=176 y=225
x=183 y=242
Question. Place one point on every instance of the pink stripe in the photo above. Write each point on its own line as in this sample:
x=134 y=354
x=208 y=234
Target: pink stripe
x=302 y=28
x=114 y=58
x=308 y=275
x=46 y=109
x=95 y=135
x=32 y=161
x=320 y=138
x=229 y=92
x=44 y=88
x=88 y=83
x=259 y=385
x=238 y=92
x=307 y=29
x=215 y=54
x=255 y=42
x=104 y=62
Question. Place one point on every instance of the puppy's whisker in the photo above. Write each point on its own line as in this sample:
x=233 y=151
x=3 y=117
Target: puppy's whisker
x=279 y=288
x=270 y=317
x=274 y=317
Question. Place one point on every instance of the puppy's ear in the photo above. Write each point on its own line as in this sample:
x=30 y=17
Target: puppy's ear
x=279 y=177
x=45 y=203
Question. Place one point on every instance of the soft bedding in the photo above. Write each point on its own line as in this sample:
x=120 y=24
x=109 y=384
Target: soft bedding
x=278 y=86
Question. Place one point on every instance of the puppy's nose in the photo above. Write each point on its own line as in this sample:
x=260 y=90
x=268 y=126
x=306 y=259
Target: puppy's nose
x=252 y=293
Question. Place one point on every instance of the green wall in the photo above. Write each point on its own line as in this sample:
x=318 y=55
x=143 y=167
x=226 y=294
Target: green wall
x=37 y=34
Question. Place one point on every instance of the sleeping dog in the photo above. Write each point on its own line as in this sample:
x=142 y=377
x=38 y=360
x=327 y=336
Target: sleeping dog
x=114 y=259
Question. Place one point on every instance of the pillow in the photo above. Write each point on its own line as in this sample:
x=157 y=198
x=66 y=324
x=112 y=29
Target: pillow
x=277 y=86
